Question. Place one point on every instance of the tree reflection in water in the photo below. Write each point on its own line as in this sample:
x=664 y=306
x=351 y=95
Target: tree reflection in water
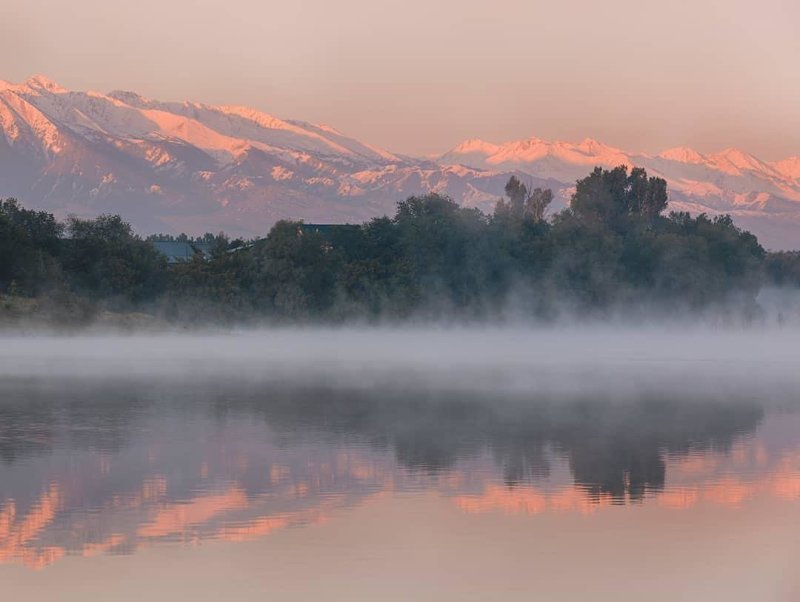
x=113 y=466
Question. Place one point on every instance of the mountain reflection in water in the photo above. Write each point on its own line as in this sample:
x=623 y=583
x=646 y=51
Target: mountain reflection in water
x=114 y=466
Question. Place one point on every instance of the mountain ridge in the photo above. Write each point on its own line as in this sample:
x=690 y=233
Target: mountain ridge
x=182 y=165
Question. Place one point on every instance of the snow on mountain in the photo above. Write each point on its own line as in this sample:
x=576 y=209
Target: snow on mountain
x=562 y=161
x=760 y=195
x=188 y=166
x=789 y=168
x=22 y=120
x=683 y=154
x=735 y=161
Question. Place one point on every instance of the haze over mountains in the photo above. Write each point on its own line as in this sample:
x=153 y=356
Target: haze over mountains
x=186 y=166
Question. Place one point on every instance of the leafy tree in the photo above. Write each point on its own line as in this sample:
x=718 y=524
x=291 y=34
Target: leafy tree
x=104 y=258
x=296 y=272
x=523 y=203
x=29 y=244
x=446 y=248
x=218 y=289
x=516 y=192
x=536 y=204
x=783 y=268
x=613 y=197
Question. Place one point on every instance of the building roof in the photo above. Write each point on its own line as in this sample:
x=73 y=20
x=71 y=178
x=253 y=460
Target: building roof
x=177 y=251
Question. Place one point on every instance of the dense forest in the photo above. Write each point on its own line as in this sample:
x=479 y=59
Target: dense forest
x=613 y=250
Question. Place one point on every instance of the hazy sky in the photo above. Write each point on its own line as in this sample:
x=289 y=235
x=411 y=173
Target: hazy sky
x=418 y=76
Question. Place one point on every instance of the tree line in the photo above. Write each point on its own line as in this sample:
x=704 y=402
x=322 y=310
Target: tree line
x=613 y=247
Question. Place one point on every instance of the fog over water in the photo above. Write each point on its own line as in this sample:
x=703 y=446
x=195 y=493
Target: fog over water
x=612 y=361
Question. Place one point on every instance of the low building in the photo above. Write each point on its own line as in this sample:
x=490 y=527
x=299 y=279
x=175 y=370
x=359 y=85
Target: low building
x=182 y=251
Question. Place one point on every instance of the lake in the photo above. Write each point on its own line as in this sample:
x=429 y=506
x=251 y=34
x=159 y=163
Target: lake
x=417 y=464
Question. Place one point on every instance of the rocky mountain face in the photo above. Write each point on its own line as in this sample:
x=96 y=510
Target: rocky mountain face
x=186 y=166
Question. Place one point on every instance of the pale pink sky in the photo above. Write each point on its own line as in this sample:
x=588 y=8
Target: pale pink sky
x=419 y=76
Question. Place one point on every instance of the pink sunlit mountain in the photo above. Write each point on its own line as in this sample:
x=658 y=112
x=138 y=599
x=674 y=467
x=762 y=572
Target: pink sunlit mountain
x=763 y=197
x=187 y=166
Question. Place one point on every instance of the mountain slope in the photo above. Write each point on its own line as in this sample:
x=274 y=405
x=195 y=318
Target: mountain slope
x=187 y=166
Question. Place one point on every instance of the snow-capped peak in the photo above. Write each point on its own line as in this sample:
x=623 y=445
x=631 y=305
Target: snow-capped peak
x=683 y=154
x=733 y=161
x=476 y=145
x=590 y=145
x=40 y=82
x=738 y=158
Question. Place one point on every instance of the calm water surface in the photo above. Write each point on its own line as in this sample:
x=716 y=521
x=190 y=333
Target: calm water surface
x=126 y=487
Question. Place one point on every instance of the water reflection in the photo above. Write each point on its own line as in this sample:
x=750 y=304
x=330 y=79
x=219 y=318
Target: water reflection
x=115 y=466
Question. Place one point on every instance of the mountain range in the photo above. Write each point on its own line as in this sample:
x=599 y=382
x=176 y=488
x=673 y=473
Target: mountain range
x=193 y=167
